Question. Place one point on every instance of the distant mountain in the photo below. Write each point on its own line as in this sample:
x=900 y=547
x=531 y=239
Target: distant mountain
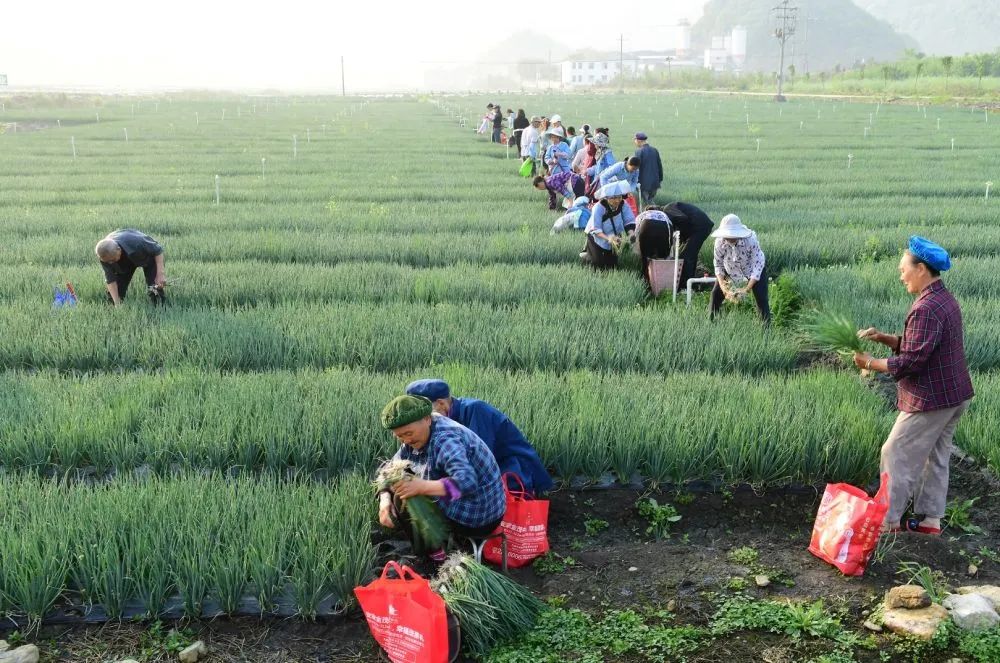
x=526 y=46
x=955 y=27
x=829 y=33
x=519 y=60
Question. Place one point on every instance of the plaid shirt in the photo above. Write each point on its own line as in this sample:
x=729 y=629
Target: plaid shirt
x=929 y=367
x=454 y=452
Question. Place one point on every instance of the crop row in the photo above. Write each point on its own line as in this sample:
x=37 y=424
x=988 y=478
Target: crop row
x=806 y=428
x=201 y=545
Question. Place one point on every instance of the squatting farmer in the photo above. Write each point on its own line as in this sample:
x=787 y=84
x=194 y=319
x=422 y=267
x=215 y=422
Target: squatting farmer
x=124 y=251
x=510 y=447
x=454 y=467
x=610 y=221
x=695 y=226
x=933 y=390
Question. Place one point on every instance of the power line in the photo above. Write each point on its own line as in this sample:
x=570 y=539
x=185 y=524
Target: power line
x=786 y=17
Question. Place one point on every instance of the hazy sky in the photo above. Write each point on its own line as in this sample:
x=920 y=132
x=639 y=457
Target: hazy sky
x=291 y=44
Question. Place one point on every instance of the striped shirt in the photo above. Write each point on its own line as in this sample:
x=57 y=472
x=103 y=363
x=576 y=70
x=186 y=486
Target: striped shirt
x=929 y=367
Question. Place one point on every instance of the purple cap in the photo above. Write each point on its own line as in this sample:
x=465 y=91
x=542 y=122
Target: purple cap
x=641 y=136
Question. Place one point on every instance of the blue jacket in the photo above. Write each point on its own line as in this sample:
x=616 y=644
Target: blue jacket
x=650 y=168
x=606 y=161
x=512 y=450
x=619 y=172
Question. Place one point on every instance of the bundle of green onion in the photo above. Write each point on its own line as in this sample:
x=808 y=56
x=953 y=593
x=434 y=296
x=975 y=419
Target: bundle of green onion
x=832 y=332
x=430 y=529
x=490 y=607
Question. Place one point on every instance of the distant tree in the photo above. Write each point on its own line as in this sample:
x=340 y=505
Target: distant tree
x=947 y=62
x=916 y=80
x=982 y=66
x=791 y=71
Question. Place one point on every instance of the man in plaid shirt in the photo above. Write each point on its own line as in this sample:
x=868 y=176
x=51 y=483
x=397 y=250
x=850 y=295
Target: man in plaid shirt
x=454 y=465
x=934 y=389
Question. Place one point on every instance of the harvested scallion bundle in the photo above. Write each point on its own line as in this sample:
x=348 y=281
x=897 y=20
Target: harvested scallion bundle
x=490 y=607
x=832 y=332
x=430 y=529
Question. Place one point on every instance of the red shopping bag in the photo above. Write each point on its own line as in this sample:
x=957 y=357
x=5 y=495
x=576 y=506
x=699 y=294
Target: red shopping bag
x=847 y=526
x=405 y=616
x=633 y=203
x=526 y=524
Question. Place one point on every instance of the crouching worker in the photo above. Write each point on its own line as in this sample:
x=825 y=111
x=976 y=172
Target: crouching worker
x=453 y=466
x=576 y=217
x=511 y=449
x=610 y=220
x=566 y=184
x=124 y=251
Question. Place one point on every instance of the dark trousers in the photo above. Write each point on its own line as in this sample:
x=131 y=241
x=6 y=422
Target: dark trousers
x=654 y=242
x=496 y=134
x=648 y=195
x=759 y=295
x=402 y=518
x=692 y=247
x=599 y=258
x=125 y=279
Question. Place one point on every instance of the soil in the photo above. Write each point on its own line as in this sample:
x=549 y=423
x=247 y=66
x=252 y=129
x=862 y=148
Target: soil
x=622 y=566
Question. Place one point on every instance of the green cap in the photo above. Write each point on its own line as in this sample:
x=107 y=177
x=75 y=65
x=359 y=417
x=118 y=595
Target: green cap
x=406 y=409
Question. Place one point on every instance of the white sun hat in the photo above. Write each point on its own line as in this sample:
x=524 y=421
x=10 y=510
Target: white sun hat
x=618 y=188
x=555 y=131
x=556 y=118
x=732 y=228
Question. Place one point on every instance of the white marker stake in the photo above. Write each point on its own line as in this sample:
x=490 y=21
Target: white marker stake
x=871 y=119
x=97 y=115
x=818 y=113
x=623 y=120
x=216 y=189
x=223 y=114
x=952 y=144
x=59 y=123
x=939 y=124
x=197 y=120
x=988 y=185
x=925 y=112
x=295 y=147
x=133 y=110
x=696 y=134
x=758 y=144
x=850 y=158
x=986 y=112
x=262 y=161
x=125 y=131
x=308 y=136
x=72 y=143
x=156 y=106
x=866 y=132
x=801 y=124
x=709 y=116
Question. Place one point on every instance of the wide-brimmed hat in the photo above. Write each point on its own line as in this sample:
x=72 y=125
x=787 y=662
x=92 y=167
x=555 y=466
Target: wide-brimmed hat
x=535 y=118
x=555 y=131
x=732 y=228
x=582 y=200
x=618 y=188
x=556 y=118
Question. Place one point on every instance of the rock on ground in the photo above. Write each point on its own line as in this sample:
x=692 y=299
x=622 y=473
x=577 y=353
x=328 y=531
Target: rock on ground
x=907 y=596
x=990 y=592
x=921 y=623
x=972 y=612
x=25 y=654
x=193 y=653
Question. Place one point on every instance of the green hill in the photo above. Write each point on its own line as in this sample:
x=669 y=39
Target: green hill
x=952 y=28
x=830 y=33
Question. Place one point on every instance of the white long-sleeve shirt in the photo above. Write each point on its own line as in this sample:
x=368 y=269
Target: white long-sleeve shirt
x=528 y=138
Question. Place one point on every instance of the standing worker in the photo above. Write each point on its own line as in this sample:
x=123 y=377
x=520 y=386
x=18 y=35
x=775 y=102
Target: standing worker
x=519 y=125
x=124 y=251
x=529 y=141
x=509 y=446
x=557 y=154
x=651 y=168
x=497 y=123
x=738 y=256
x=455 y=467
x=933 y=390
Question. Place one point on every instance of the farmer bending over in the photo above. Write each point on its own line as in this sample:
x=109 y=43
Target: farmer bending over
x=566 y=184
x=455 y=467
x=124 y=251
x=933 y=390
x=511 y=449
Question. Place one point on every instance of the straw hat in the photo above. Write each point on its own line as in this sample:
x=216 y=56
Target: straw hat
x=732 y=228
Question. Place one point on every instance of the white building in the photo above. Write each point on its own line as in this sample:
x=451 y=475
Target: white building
x=729 y=52
x=580 y=73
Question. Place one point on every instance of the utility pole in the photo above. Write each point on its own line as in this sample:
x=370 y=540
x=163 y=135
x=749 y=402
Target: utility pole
x=786 y=18
x=343 y=87
x=621 y=62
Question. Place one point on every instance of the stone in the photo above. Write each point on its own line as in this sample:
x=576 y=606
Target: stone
x=24 y=654
x=193 y=653
x=972 y=570
x=4 y=646
x=671 y=605
x=762 y=581
x=990 y=592
x=971 y=612
x=129 y=660
x=907 y=596
x=920 y=623
x=872 y=626
x=633 y=569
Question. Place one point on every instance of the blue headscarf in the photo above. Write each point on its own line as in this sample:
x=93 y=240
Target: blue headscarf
x=927 y=251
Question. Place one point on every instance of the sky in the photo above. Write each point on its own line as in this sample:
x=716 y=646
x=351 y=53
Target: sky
x=291 y=45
